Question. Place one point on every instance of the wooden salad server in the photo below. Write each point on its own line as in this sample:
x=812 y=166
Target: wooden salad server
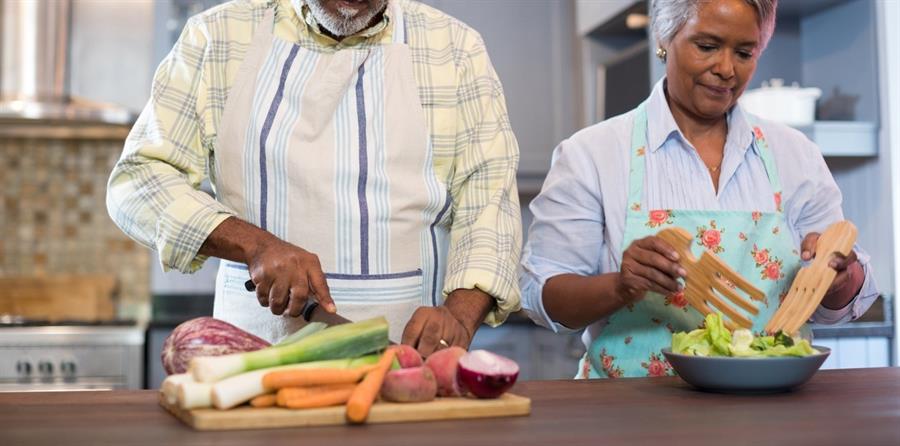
x=811 y=282
x=707 y=276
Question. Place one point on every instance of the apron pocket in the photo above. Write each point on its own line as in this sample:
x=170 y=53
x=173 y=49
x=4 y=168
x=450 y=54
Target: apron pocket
x=235 y=277
x=395 y=296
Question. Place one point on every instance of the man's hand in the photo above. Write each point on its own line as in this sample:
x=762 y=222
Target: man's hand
x=850 y=275
x=455 y=322
x=285 y=276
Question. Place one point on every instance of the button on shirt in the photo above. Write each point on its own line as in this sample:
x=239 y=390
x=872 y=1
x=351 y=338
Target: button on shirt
x=154 y=191
x=579 y=216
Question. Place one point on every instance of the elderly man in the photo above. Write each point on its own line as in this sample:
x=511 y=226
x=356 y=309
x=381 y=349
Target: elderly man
x=362 y=161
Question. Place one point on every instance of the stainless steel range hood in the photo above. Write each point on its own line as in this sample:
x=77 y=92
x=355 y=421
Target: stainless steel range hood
x=34 y=66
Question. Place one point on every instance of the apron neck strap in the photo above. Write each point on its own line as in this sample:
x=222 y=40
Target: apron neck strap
x=639 y=149
x=768 y=159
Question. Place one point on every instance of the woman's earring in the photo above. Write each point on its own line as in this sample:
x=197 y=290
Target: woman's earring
x=661 y=53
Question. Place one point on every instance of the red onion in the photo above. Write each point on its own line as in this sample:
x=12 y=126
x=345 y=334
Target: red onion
x=486 y=374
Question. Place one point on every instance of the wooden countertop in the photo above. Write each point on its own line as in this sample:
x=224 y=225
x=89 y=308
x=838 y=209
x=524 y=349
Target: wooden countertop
x=844 y=407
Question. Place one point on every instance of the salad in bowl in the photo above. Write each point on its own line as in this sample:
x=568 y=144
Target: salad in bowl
x=716 y=359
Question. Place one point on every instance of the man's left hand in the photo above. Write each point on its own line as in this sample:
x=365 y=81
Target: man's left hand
x=455 y=322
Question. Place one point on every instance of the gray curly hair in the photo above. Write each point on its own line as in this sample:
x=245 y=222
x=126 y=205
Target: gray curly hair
x=669 y=16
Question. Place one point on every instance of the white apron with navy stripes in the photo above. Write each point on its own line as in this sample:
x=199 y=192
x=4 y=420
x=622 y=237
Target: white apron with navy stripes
x=330 y=151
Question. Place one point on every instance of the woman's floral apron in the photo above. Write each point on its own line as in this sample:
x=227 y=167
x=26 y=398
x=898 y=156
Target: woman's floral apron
x=756 y=244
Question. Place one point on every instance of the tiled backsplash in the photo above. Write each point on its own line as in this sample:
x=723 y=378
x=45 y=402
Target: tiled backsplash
x=53 y=217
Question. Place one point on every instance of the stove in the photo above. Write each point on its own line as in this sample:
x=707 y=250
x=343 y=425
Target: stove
x=41 y=355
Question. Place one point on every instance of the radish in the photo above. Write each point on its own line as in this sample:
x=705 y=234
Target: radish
x=486 y=374
x=407 y=356
x=444 y=364
x=411 y=385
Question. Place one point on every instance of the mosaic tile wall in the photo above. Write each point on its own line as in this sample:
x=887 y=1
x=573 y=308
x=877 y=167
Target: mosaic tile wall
x=53 y=216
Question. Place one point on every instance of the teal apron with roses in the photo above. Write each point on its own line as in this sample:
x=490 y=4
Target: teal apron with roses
x=758 y=245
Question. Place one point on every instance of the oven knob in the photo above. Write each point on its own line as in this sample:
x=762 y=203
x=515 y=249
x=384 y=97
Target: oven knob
x=45 y=368
x=23 y=368
x=67 y=368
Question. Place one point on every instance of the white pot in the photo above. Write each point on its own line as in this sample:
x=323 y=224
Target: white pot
x=792 y=105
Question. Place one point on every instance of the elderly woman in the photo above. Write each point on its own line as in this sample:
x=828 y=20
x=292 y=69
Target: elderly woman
x=754 y=192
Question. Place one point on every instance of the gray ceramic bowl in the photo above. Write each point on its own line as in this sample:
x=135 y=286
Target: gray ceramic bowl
x=746 y=375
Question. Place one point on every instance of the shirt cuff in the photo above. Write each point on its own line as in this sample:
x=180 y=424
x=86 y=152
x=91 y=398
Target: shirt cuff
x=183 y=227
x=501 y=286
x=533 y=303
x=853 y=310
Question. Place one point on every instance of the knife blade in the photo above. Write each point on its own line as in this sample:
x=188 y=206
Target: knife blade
x=315 y=314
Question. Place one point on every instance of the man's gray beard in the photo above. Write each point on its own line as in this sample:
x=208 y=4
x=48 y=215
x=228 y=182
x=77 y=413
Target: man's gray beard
x=347 y=21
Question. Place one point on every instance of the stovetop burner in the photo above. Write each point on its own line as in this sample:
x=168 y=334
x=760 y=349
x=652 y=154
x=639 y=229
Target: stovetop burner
x=8 y=320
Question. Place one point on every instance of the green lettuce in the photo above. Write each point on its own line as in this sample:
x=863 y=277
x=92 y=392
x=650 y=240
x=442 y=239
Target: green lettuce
x=716 y=340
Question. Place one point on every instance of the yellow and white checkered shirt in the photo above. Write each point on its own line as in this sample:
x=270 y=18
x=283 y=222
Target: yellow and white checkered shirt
x=154 y=191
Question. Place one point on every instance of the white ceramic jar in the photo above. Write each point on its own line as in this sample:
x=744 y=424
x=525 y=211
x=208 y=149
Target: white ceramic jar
x=790 y=105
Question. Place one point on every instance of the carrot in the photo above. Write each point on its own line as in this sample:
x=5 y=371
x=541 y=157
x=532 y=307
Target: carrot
x=313 y=377
x=323 y=399
x=365 y=393
x=288 y=393
x=267 y=400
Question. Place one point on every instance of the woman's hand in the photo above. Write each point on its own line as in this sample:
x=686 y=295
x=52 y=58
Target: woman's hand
x=849 y=278
x=649 y=264
x=286 y=276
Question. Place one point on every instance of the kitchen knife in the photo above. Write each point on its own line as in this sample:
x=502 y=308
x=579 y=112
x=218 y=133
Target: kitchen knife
x=312 y=312
x=315 y=314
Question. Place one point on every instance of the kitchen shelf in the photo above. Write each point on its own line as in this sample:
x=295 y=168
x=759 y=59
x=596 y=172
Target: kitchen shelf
x=802 y=8
x=844 y=138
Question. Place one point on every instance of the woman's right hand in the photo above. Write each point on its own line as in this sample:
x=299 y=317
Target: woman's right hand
x=286 y=276
x=649 y=264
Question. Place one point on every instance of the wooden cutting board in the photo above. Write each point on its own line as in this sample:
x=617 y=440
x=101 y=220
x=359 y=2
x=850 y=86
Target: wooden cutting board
x=82 y=297
x=246 y=417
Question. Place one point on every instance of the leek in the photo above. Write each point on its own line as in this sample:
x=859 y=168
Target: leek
x=308 y=329
x=194 y=395
x=340 y=341
x=169 y=387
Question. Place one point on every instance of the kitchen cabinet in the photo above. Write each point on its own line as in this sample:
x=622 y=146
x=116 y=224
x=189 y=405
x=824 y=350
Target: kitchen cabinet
x=831 y=45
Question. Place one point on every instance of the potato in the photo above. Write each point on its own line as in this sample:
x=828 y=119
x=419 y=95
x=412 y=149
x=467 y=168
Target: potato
x=408 y=356
x=411 y=385
x=444 y=364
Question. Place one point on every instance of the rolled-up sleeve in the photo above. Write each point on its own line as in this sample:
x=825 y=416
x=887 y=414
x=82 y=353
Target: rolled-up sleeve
x=154 y=191
x=566 y=236
x=858 y=305
x=486 y=231
x=817 y=204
